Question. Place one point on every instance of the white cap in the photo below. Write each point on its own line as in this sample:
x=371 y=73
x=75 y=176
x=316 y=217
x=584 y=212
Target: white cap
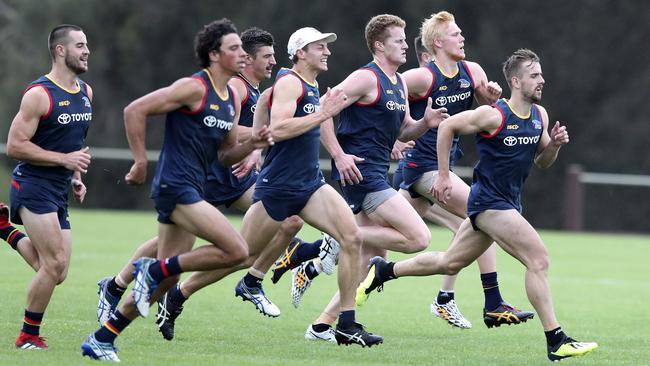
x=305 y=36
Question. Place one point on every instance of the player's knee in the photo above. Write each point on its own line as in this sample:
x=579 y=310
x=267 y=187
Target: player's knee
x=292 y=225
x=352 y=240
x=56 y=268
x=237 y=255
x=418 y=242
x=539 y=263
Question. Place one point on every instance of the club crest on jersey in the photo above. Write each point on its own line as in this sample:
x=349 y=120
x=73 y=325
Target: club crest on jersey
x=537 y=124
x=401 y=94
x=464 y=83
x=231 y=109
x=86 y=102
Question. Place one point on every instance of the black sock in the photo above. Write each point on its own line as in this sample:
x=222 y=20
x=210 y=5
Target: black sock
x=554 y=336
x=346 y=318
x=11 y=235
x=320 y=327
x=386 y=272
x=252 y=281
x=112 y=328
x=444 y=297
x=307 y=251
x=491 y=290
x=310 y=270
x=32 y=322
x=114 y=289
x=165 y=268
x=176 y=295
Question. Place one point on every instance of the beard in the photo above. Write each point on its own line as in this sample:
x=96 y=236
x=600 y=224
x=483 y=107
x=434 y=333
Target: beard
x=533 y=96
x=74 y=64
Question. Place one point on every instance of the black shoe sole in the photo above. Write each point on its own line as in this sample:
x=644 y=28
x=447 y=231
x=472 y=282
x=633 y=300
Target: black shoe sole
x=347 y=343
x=492 y=323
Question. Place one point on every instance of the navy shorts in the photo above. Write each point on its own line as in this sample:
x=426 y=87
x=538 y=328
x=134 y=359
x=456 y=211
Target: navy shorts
x=280 y=204
x=478 y=203
x=218 y=194
x=38 y=198
x=398 y=176
x=167 y=199
x=356 y=193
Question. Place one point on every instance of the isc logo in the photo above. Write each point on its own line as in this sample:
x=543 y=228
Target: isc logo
x=512 y=127
x=64 y=103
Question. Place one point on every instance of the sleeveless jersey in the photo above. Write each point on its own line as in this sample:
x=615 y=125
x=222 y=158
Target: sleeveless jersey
x=293 y=164
x=505 y=159
x=370 y=130
x=63 y=129
x=192 y=139
x=223 y=174
x=455 y=93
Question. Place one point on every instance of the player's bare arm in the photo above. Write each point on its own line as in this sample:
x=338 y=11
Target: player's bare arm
x=360 y=86
x=550 y=144
x=482 y=119
x=286 y=92
x=486 y=92
x=418 y=81
x=34 y=105
x=185 y=92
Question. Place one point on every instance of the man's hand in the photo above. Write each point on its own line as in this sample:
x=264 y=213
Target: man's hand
x=138 y=174
x=433 y=117
x=333 y=102
x=559 y=135
x=77 y=160
x=441 y=189
x=399 y=148
x=347 y=167
x=262 y=138
x=252 y=161
x=78 y=189
x=492 y=91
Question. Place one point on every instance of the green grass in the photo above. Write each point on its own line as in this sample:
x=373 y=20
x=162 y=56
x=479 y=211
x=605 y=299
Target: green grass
x=600 y=287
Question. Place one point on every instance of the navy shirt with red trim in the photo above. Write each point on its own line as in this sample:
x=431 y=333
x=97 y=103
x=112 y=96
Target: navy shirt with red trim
x=63 y=129
x=192 y=139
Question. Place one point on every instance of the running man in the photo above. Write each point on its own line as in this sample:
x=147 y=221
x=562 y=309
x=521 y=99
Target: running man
x=511 y=135
x=47 y=136
x=201 y=126
x=450 y=81
x=291 y=182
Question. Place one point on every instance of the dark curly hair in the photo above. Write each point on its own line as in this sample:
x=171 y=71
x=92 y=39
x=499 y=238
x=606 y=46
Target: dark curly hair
x=209 y=39
x=255 y=38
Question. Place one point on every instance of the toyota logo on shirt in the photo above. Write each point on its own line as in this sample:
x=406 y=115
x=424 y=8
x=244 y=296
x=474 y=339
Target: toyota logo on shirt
x=510 y=141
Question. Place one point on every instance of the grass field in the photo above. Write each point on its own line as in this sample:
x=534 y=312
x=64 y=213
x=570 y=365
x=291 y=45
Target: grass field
x=600 y=284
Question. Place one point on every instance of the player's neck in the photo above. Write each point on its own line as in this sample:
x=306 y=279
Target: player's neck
x=305 y=72
x=447 y=65
x=220 y=78
x=63 y=76
x=250 y=78
x=389 y=68
x=519 y=105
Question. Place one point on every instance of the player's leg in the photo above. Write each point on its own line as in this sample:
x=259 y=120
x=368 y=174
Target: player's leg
x=16 y=239
x=111 y=289
x=53 y=245
x=517 y=237
x=327 y=210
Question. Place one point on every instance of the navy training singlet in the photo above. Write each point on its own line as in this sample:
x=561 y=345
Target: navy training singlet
x=192 y=139
x=505 y=159
x=63 y=129
x=222 y=174
x=370 y=130
x=293 y=164
x=456 y=93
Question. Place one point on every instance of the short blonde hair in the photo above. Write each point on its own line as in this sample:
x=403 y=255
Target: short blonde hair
x=377 y=28
x=432 y=28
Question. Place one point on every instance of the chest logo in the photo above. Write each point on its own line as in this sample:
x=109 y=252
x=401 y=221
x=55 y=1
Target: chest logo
x=310 y=108
x=253 y=108
x=210 y=121
x=537 y=124
x=464 y=83
x=512 y=127
x=64 y=119
x=86 y=102
x=64 y=103
x=442 y=88
x=214 y=107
